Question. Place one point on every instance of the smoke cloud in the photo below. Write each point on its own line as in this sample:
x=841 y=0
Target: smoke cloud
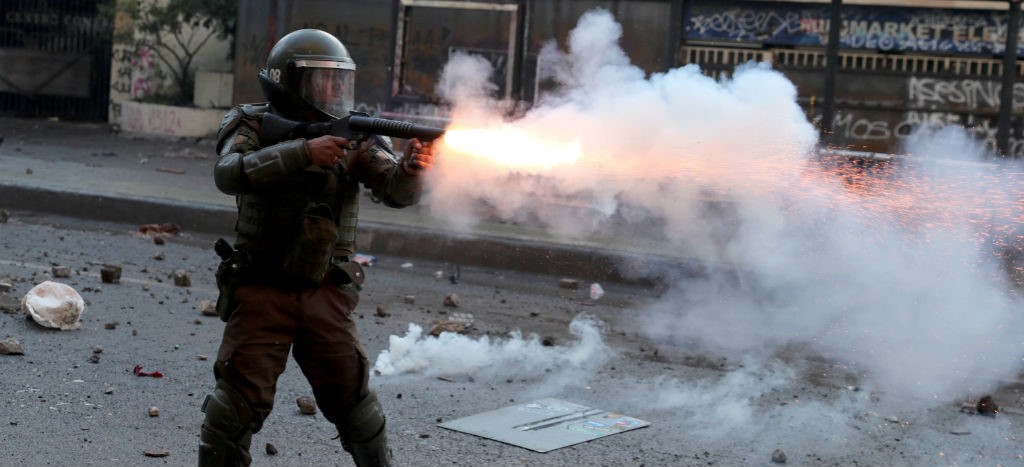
x=518 y=355
x=892 y=268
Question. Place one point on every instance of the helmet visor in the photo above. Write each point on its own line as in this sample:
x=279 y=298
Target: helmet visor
x=331 y=90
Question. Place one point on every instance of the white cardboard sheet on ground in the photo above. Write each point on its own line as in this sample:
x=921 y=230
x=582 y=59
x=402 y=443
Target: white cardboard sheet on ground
x=545 y=425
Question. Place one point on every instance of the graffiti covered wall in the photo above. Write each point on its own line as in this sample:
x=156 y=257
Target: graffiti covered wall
x=864 y=27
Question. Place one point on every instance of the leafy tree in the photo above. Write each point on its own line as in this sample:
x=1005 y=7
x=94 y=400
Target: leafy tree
x=175 y=31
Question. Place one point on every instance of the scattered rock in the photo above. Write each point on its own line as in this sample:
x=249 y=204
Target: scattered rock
x=62 y=272
x=596 y=291
x=960 y=431
x=548 y=342
x=208 y=308
x=5 y=286
x=451 y=300
x=110 y=274
x=181 y=278
x=202 y=357
x=4 y=216
x=571 y=284
x=54 y=305
x=306 y=405
x=409 y=299
x=438 y=275
x=382 y=312
x=156 y=453
x=271 y=450
x=159 y=239
x=39 y=277
x=94 y=358
x=108 y=390
x=154 y=411
x=987 y=406
x=97 y=349
x=778 y=456
x=159 y=256
x=111 y=325
x=448 y=326
x=11 y=346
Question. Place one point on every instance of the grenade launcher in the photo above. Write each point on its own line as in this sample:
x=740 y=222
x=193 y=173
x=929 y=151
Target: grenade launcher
x=356 y=127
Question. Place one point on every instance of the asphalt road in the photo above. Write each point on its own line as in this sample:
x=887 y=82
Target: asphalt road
x=58 y=408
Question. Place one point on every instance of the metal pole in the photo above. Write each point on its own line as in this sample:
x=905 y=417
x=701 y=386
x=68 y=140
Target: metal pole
x=1009 y=78
x=828 y=109
x=675 y=34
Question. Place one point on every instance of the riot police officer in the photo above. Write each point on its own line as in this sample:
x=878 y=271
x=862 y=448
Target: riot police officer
x=289 y=284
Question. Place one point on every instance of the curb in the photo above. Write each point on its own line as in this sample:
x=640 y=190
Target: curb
x=378 y=238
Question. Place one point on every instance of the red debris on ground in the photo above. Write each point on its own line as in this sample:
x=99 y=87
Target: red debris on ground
x=166 y=228
x=138 y=372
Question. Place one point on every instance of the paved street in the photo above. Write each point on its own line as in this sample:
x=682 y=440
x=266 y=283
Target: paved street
x=58 y=408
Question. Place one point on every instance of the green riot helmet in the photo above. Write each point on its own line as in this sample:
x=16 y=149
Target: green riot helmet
x=309 y=76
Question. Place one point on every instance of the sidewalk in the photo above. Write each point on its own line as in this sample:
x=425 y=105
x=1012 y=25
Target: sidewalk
x=86 y=170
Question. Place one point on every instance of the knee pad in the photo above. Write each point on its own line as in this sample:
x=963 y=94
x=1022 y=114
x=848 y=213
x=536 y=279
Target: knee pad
x=227 y=429
x=227 y=412
x=364 y=422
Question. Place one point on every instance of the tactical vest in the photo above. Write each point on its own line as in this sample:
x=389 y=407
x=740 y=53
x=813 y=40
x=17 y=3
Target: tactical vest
x=269 y=223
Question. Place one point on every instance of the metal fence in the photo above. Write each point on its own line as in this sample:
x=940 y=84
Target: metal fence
x=55 y=59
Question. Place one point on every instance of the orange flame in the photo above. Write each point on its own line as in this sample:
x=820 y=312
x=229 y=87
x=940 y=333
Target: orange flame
x=512 y=148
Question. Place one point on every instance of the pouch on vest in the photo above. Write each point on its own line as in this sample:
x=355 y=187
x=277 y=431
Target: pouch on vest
x=310 y=253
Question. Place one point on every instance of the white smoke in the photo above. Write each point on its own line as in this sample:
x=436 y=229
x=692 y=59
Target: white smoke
x=888 y=276
x=451 y=354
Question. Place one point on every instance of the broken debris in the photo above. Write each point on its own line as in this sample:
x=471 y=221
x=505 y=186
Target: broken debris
x=987 y=406
x=138 y=372
x=181 y=278
x=208 y=308
x=165 y=228
x=54 y=305
x=451 y=300
x=11 y=346
x=156 y=452
x=61 y=272
x=571 y=284
x=457 y=323
x=110 y=274
x=596 y=291
x=306 y=405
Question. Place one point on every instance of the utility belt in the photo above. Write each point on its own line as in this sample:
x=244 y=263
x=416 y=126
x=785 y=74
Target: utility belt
x=241 y=267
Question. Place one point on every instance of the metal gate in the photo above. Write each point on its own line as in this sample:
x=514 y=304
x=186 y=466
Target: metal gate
x=55 y=59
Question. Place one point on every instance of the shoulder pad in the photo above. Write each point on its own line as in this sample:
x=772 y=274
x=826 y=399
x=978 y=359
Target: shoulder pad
x=255 y=110
x=236 y=115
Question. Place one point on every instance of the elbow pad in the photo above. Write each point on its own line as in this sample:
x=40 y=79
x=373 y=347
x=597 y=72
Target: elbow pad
x=272 y=164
